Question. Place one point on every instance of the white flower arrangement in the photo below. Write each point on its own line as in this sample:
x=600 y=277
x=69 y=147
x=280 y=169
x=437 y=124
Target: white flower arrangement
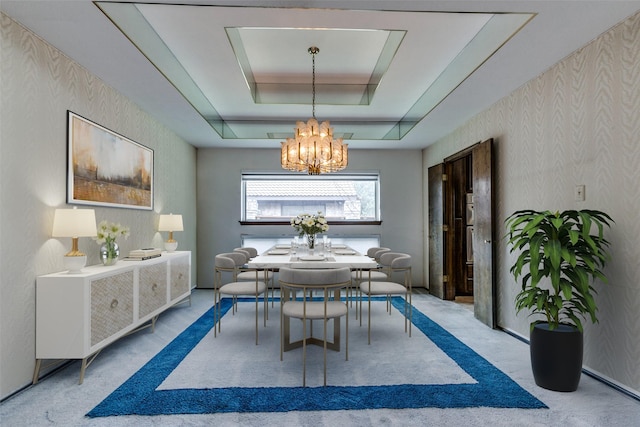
x=309 y=224
x=108 y=231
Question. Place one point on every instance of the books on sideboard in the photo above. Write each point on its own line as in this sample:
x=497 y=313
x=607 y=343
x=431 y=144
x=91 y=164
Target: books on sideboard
x=143 y=254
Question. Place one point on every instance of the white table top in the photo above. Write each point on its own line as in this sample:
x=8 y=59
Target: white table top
x=278 y=259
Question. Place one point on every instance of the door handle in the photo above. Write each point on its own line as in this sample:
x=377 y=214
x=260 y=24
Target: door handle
x=487 y=241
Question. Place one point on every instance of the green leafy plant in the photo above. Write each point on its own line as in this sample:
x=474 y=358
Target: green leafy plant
x=560 y=247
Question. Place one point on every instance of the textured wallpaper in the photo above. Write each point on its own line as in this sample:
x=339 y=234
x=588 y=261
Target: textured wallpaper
x=39 y=84
x=576 y=124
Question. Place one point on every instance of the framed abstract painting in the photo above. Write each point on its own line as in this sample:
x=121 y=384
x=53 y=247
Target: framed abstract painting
x=105 y=168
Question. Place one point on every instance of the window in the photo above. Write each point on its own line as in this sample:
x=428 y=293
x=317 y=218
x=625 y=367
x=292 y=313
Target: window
x=276 y=197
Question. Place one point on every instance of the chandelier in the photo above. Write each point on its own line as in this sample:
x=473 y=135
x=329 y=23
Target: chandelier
x=313 y=149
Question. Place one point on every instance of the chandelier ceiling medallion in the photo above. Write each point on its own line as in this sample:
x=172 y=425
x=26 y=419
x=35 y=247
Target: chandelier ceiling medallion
x=313 y=149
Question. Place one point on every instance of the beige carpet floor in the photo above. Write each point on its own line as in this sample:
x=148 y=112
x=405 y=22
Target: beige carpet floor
x=59 y=400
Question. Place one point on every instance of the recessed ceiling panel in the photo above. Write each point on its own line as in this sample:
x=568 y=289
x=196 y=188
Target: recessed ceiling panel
x=346 y=73
x=280 y=55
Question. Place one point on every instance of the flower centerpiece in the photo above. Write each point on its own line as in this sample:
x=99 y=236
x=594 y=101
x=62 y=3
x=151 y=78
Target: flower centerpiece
x=106 y=238
x=310 y=225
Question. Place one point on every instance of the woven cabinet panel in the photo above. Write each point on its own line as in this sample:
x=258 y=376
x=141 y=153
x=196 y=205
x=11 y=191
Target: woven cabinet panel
x=111 y=305
x=179 y=276
x=153 y=288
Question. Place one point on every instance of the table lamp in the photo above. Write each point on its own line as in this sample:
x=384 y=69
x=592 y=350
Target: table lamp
x=170 y=223
x=74 y=223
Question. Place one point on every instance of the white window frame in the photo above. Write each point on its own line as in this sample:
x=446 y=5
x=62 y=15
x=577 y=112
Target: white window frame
x=286 y=176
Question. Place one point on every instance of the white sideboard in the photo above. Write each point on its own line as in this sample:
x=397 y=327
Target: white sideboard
x=77 y=315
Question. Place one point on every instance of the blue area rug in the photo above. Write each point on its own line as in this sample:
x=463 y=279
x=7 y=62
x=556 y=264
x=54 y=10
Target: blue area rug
x=139 y=395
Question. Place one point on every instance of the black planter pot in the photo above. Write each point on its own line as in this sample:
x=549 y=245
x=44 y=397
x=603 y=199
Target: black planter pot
x=556 y=356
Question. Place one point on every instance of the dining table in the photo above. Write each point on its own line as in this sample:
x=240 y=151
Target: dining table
x=337 y=256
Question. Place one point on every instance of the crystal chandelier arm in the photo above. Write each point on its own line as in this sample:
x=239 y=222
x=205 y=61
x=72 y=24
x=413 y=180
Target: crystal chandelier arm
x=313 y=149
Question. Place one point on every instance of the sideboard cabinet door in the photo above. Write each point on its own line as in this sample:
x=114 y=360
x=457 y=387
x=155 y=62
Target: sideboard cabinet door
x=180 y=276
x=111 y=305
x=153 y=288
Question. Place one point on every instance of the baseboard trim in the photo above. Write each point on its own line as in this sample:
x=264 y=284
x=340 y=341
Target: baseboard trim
x=44 y=376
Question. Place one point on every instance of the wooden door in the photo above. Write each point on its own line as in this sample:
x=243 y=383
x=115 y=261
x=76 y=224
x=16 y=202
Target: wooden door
x=483 y=240
x=436 y=221
x=459 y=186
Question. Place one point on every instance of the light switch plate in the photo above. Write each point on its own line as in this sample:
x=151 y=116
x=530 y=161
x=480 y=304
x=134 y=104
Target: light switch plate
x=579 y=193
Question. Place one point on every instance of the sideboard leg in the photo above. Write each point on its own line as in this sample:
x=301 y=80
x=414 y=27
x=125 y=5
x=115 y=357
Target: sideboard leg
x=153 y=324
x=83 y=368
x=36 y=371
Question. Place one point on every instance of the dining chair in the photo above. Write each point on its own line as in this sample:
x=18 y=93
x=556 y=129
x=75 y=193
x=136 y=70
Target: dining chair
x=248 y=275
x=253 y=252
x=380 y=273
x=393 y=263
x=327 y=281
x=356 y=274
x=232 y=262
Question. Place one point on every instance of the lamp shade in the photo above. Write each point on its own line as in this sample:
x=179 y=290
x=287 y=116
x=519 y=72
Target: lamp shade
x=170 y=222
x=74 y=223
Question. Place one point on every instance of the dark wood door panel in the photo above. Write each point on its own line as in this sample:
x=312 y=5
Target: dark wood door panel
x=483 y=239
x=436 y=241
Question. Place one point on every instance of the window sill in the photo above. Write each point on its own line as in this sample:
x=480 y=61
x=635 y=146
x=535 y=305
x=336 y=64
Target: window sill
x=331 y=222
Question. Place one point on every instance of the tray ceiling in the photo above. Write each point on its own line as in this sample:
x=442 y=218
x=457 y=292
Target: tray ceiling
x=247 y=71
x=391 y=74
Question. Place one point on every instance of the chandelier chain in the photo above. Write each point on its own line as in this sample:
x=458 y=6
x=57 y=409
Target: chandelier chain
x=313 y=80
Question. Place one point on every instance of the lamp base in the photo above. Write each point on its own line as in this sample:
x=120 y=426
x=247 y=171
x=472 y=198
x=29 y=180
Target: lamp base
x=170 y=246
x=74 y=263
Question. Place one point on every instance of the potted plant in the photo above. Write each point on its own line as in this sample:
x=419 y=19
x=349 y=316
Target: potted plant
x=558 y=258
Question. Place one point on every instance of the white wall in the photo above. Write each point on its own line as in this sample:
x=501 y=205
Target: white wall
x=219 y=196
x=39 y=84
x=577 y=124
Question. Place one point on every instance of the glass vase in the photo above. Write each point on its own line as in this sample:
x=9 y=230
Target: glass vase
x=109 y=253
x=311 y=243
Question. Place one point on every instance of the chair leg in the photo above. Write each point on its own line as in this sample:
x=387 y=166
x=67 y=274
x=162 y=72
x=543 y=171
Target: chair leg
x=281 y=329
x=346 y=342
x=369 y=318
x=325 y=350
x=219 y=312
x=353 y=292
x=273 y=286
x=266 y=293
x=304 y=352
x=256 y=319
x=406 y=313
x=273 y=294
x=356 y=288
x=266 y=307
x=215 y=313
x=360 y=298
x=410 y=312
